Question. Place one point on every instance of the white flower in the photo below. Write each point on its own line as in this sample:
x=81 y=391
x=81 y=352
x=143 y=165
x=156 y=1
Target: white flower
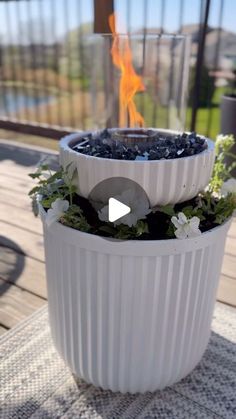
x=138 y=205
x=228 y=187
x=58 y=208
x=186 y=227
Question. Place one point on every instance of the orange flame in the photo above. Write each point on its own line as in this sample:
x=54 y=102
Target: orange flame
x=130 y=82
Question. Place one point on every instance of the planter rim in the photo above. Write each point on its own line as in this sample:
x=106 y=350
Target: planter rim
x=64 y=143
x=133 y=247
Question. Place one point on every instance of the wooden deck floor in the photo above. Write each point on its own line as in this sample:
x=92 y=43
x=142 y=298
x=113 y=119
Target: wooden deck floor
x=22 y=269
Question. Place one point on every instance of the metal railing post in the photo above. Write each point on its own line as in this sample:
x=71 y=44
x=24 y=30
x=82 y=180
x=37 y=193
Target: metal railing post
x=199 y=64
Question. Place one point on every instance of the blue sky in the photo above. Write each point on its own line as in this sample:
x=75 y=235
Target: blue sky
x=82 y=11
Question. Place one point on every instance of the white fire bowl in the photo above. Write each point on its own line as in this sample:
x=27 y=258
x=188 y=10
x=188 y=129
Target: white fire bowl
x=131 y=316
x=164 y=181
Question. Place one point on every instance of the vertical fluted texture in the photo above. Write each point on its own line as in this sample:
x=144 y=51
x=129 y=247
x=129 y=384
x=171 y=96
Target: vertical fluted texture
x=131 y=323
x=165 y=181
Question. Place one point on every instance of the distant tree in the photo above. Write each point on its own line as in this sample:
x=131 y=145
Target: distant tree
x=206 y=87
x=76 y=57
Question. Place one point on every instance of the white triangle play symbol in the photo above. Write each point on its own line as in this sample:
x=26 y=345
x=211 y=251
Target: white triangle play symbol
x=117 y=209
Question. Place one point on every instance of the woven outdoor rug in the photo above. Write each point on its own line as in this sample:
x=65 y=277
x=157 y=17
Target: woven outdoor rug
x=35 y=383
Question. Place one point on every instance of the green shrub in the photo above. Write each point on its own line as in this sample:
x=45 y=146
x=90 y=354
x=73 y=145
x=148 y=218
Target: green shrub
x=206 y=87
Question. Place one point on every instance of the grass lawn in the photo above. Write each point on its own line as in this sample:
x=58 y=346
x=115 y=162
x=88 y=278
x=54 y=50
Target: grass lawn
x=203 y=116
x=202 y=121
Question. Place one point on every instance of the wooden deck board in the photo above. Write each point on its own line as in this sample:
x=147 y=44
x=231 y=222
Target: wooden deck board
x=16 y=304
x=30 y=243
x=227 y=290
x=229 y=266
x=22 y=268
x=20 y=218
x=23 y=271
x=3 y=330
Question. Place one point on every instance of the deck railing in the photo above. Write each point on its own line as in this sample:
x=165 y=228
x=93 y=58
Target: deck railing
x=43 y=83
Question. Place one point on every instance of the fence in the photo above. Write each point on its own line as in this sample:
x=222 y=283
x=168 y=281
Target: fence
x=43 y=81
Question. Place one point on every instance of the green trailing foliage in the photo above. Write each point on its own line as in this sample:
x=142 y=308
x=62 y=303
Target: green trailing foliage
x=210 y=206
x=124 y=232
x=75 y=218
x=51 y=186
x=221 y=171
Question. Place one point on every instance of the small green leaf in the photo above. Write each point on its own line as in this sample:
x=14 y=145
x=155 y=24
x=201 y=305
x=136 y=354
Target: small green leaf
x=107 y=229
x=141 y=228
x=34 y=190
x=34 y=175
x=55 y=176
x=35 y=207
x=47 y=202
x=167 y=209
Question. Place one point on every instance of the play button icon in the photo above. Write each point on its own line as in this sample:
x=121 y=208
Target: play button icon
x=117 y=200
x=117 y=209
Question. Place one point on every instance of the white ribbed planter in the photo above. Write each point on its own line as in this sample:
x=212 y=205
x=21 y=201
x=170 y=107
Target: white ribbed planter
x=164 y=181
x=131 y=316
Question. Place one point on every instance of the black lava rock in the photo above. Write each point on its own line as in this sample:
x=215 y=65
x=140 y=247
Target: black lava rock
x=160 y=146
